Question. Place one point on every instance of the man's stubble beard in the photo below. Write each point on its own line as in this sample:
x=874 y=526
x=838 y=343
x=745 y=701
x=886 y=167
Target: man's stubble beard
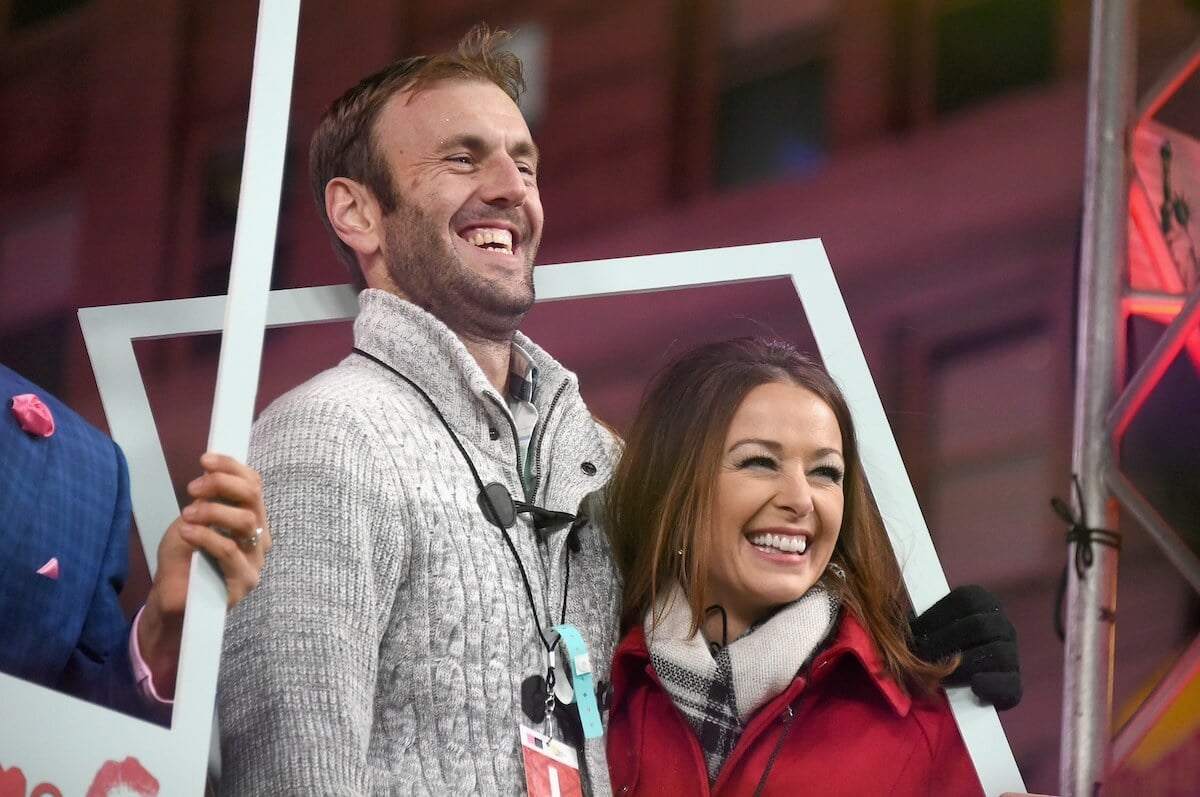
x=429 y=272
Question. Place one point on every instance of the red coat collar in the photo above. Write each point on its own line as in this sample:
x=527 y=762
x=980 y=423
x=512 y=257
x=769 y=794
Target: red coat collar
x=851 y=643
x=850 y=646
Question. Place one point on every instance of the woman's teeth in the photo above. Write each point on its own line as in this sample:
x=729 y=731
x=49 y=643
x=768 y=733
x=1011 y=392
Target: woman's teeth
x=788 y=543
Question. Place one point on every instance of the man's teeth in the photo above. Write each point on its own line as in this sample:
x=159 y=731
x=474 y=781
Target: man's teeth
x=788 y=543
x=500 y=240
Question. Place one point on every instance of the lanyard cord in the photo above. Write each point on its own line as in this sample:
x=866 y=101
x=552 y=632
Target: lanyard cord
x=482 y=492
x=788 y=716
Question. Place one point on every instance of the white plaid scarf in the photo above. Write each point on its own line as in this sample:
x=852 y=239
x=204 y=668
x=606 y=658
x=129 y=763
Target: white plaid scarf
x=718 y=693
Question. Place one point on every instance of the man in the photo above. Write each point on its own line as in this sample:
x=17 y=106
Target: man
x=64 y=531
x=396 y=624
x=400 y=636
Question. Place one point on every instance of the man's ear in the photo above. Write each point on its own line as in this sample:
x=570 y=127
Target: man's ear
x=355 y=216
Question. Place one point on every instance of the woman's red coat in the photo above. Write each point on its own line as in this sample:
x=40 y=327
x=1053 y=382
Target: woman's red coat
x=853 y=733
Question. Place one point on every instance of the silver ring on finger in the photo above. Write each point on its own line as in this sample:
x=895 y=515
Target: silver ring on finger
x=252 y=541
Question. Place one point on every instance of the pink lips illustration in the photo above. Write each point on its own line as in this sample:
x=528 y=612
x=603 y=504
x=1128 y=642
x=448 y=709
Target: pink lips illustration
x=128 y=777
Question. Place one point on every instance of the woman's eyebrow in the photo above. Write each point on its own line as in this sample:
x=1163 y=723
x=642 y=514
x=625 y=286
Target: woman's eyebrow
x=772 y=445
x=775 y=447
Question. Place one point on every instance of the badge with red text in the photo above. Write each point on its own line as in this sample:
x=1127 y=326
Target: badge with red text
x=551 y=767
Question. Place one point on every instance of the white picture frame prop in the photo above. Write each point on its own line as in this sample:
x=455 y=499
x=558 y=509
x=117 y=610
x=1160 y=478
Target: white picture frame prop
x=111 y=331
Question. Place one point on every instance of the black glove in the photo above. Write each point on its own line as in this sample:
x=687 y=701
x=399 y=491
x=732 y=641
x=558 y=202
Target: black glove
x=969 y=620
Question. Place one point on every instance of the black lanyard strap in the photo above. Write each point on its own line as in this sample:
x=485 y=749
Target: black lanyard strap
x=499 y=510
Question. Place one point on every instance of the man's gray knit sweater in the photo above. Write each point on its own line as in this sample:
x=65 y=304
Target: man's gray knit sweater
x=384 y=651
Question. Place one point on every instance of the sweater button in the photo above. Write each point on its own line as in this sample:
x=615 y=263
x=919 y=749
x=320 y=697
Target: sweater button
x=493 y=433
x=588 y=468
x=603 y=694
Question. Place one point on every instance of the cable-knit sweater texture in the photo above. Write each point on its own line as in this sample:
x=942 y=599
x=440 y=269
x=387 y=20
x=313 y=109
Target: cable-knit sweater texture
x=384 y=651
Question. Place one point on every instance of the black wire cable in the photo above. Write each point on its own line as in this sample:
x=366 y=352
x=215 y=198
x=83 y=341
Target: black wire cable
x=787 y=726
x=486 y=500
x=713 y=646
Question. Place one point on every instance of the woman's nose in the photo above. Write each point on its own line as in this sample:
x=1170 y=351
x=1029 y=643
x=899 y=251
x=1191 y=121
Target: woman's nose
x=795 y=494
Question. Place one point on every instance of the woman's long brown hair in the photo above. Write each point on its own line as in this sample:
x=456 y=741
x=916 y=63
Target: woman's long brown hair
x=662 y=498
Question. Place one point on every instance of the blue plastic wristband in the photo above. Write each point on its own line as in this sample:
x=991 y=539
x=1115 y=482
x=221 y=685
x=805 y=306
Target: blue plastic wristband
x=581 y=680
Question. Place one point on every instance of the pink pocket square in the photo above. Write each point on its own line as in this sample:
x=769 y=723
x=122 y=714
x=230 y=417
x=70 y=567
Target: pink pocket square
x=50 y=569
x=34 y=416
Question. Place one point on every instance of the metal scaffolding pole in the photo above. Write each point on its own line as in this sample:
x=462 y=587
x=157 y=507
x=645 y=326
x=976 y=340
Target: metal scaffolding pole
x=1092 y=579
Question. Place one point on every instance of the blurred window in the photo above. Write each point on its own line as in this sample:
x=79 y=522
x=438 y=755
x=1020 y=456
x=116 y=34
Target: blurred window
x=989 y=47
x=771 y=104
x=38 y=257
x=992 y=406
x=25 y=14
x=220 y=192
x=773 y=126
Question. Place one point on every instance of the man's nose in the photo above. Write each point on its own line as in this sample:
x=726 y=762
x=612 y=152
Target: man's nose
x=504 y=184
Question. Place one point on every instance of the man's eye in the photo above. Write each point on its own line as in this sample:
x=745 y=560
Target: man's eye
x=465 y=160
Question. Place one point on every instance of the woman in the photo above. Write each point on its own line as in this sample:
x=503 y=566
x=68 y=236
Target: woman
x=765 y=646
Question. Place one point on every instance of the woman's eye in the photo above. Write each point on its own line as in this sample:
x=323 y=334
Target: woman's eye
x=829 y=472
x=757 y=461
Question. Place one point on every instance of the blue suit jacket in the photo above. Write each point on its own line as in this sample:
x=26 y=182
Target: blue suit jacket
x=64 y=497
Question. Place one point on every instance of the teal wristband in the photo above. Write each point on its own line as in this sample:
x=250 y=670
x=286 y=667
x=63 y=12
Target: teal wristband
x=581 y=680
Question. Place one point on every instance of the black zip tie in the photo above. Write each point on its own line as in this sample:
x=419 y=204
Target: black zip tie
x=1082 y=536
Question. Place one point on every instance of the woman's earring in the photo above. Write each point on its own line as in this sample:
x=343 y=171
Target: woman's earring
x=679 y=552
x=837 y=570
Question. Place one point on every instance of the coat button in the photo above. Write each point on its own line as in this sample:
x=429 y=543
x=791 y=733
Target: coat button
x=493 y=433
x=588 y=468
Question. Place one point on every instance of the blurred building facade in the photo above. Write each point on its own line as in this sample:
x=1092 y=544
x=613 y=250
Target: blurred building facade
x=936 y=147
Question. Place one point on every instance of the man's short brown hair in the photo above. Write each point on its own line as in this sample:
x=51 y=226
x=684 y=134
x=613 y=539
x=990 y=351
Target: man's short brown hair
x=343 y=144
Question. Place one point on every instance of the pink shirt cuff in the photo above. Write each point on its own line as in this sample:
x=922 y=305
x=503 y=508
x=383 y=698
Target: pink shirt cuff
x=141 y=671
